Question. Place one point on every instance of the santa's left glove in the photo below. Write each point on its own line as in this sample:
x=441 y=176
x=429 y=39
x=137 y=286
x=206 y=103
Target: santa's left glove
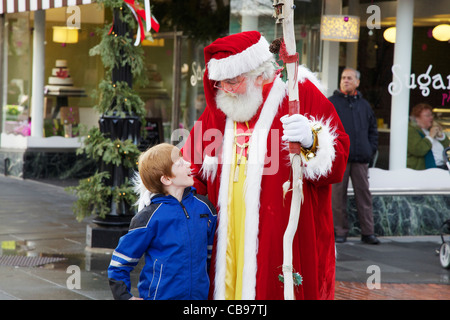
x=296 y=128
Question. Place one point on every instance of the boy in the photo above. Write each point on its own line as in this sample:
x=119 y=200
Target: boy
x=175 y=232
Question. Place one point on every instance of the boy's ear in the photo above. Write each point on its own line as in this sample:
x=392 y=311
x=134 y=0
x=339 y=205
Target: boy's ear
x=166 y=181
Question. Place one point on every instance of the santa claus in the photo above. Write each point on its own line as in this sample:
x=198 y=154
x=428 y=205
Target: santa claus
x=240 y=159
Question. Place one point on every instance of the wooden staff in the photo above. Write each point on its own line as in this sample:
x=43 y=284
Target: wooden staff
x=284 y=12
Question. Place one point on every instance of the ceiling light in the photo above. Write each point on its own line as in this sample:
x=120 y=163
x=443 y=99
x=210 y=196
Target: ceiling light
x=389 y=34
x=65 y=34
x=442 y=32
x=339 y=28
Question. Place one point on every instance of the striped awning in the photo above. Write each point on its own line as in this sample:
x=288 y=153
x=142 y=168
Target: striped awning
x=11 y=6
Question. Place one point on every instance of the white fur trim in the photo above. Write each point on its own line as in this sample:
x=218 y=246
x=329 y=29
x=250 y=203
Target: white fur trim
x=144 y=196
x=237 y=64
x=257 y=154
x=221 y=254
x=321 y=164
x=305 y=73
x=209 y=167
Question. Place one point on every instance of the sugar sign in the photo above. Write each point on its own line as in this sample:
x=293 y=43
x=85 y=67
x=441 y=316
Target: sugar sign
x=423 y=81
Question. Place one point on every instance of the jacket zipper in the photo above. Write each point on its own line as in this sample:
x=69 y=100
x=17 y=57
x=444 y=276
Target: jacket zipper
x=184 y=210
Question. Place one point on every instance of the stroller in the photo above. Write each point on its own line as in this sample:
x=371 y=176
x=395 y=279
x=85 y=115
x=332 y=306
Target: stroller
x=444 y=250
x=446 y=156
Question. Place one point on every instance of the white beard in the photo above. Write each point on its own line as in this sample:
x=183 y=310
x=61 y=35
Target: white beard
x=240 y=107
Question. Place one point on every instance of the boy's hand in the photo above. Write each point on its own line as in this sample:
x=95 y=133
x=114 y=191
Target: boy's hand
x=135 y=298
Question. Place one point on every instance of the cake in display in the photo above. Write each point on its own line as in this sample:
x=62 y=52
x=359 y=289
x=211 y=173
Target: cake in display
x=60 y=75
x=60 y=82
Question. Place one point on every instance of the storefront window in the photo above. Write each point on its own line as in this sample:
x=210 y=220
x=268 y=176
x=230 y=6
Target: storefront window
x=427 y=81
x=70 y=74
x=17 y=66
x=180 y=108
x=157 y=94
x=192 y=68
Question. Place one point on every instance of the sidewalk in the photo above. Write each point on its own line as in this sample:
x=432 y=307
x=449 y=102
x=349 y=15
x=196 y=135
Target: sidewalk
x=409 y=269
x=40 y=239
x=37 y=222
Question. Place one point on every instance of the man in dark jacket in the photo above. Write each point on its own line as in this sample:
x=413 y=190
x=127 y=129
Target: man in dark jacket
x=360 y=124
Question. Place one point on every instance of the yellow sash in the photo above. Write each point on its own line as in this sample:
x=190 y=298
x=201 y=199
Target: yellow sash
x=236 y=227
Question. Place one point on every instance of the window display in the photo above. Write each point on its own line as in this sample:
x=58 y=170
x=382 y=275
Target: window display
x=16 y=100
x=70 y=73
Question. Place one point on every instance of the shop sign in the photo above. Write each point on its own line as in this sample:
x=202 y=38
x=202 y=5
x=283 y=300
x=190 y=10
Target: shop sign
x=197 y=73
x=423 y=81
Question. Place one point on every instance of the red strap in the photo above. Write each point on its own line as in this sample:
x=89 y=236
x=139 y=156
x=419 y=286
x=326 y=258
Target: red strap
x=285 y=56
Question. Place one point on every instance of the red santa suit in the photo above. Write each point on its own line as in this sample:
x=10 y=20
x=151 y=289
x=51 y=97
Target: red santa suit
x=210 y=150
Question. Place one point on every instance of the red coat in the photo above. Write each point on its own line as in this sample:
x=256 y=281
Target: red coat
x=209 y=149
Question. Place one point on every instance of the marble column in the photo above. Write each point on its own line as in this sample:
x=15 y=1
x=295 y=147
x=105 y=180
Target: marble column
x=400 y=97
x=37 y=90
x=330 y=60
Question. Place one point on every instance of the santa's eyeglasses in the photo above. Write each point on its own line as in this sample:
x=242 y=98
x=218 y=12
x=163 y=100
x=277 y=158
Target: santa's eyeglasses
x=229 y=85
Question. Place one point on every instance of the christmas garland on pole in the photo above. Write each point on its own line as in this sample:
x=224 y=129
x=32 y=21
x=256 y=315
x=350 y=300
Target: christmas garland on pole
x=115 y=98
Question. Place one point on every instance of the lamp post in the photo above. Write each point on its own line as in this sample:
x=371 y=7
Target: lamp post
x=122 y=128
x=115 y=224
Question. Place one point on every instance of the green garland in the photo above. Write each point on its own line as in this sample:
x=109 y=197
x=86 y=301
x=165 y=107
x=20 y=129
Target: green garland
x=93 y=195
x=96 y=146
x=119 y=99
x=118 y=51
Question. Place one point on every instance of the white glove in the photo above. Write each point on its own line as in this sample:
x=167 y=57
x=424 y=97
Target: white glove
x=296 y=128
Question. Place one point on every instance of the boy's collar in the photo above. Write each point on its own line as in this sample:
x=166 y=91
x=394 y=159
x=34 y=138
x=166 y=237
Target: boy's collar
x=186 y=192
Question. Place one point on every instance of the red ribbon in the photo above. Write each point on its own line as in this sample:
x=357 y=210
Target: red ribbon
x=141 y=14
x=294 y=106
x=140 y=17
x=285 y=56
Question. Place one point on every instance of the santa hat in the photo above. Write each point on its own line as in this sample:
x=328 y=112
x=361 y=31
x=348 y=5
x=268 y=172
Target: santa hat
x=231 y=56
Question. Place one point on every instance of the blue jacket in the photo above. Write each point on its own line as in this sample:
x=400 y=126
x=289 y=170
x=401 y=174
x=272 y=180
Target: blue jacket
x=176 y=239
